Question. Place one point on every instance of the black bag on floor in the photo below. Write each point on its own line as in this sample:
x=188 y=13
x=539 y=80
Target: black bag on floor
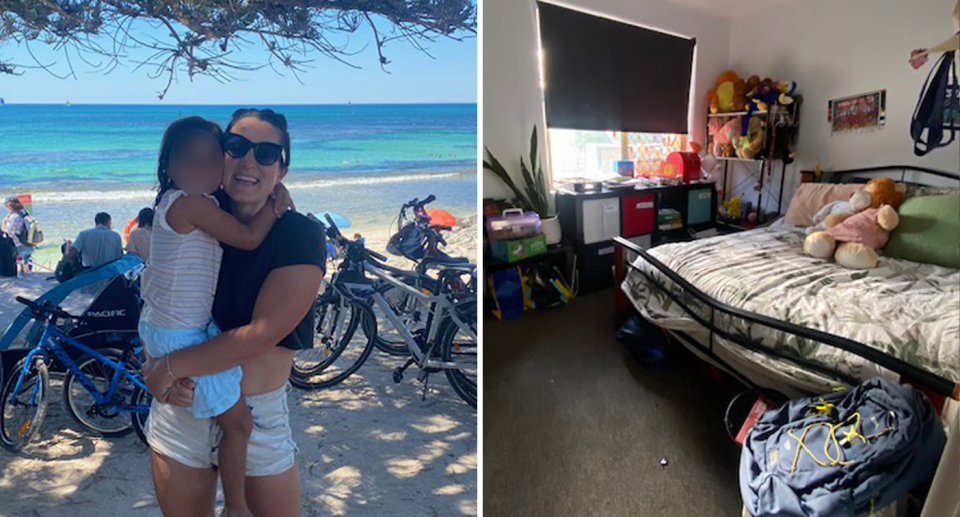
x=68 y=268
x=936 y=99
x=8 y=256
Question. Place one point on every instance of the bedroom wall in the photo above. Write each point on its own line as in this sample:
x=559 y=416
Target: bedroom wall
x=839 y=48
x=512 y=99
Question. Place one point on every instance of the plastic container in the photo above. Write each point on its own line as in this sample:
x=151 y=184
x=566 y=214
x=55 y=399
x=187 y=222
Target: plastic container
x=513 y=224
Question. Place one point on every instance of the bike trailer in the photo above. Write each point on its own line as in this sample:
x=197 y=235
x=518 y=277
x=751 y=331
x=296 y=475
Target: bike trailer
x=109 y=297
x=845 y=454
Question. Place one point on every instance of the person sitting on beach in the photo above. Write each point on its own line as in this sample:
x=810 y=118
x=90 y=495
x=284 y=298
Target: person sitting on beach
x=139 y=241
x=179 y=285
x=13 y=227
x=99 y=244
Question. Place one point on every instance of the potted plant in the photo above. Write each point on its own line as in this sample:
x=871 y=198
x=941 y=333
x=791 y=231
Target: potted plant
x=533 y=196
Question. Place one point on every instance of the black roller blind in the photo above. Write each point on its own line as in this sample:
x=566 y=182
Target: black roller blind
x=600 y=74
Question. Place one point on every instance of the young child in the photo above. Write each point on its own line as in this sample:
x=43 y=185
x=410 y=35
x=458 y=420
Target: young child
x=181 y=280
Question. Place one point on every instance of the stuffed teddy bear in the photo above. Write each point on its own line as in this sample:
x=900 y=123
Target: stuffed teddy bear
x=854 y=242
x=751 y=143
x=853 y=237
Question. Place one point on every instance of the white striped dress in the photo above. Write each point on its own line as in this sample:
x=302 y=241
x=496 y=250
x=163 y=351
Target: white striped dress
x=181 y=279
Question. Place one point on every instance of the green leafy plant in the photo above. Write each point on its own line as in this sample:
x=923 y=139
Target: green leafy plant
x=533 y=196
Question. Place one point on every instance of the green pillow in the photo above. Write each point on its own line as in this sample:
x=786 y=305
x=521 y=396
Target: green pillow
x=929 y=231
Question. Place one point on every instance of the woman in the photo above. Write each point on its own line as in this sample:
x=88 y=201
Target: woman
x=139 y=241
x=13 y=226
x=264 y=306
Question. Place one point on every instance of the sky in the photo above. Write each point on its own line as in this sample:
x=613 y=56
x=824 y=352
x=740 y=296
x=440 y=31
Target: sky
x=449 y=77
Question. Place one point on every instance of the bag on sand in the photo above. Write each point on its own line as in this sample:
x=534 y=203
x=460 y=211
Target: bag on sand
x=68 y=268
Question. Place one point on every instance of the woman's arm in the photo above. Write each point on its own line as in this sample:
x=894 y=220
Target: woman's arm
x=284 y=299
x=189 y=212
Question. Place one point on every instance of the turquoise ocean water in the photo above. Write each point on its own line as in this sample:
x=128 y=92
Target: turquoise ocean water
x=361 y=161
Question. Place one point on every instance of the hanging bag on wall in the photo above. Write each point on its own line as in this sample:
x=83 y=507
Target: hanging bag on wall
x=936 y=99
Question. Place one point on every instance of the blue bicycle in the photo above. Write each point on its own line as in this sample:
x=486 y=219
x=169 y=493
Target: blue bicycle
x=102 y=387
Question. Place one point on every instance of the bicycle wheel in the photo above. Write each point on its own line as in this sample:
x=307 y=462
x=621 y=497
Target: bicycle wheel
x=22 y=412
x=408 y=308
x=334 y=324
x=340 y=352
x=458 y=344
x=101 y=419
x=141 y=397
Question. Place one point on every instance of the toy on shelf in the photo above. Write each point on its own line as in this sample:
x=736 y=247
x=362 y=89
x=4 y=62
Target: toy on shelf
x=749 y=145
x=725 y=139
x=728 y=94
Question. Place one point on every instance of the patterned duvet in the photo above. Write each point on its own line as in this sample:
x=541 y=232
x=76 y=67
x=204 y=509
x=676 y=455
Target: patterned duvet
x=908 y=310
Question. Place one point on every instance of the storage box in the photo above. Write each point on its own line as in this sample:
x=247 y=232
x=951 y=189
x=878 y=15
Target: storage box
x=518 y=249
x=637 y=212
x=601 y=219
x=595 y=264
x=513 y=224
x=699 y=205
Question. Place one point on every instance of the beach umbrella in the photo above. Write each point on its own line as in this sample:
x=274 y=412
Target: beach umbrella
x=339 y=220
x=440 y=217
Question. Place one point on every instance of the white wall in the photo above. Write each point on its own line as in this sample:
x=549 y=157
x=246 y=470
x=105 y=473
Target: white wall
x=836 y=48
x=512 y=99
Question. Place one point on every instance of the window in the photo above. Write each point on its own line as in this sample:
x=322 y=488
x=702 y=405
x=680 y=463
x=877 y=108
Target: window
x=612 y=91
x=593 y=154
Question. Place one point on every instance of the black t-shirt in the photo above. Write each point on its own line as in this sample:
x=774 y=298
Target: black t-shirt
x=293 y=240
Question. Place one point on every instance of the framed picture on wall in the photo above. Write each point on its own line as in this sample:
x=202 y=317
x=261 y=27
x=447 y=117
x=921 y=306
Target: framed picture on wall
x=858 y=111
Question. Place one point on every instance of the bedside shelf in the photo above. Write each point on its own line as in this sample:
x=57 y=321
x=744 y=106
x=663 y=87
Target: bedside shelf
x=735 y=114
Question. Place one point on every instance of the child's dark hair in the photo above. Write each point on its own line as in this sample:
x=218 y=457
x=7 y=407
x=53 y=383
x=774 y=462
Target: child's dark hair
x=145 y=218
x=270 y=117
x=170 y=136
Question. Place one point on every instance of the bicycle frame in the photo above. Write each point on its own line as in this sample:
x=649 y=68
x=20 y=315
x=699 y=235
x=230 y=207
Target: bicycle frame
x=50 y=345
x=439 y=306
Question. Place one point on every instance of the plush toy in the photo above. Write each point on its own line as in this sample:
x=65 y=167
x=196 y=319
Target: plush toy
x=749 y=145
x=729 y=91
x=835 y=212
x=885 y=191
x=854 y=242
x=732 y=207
x=726 y=137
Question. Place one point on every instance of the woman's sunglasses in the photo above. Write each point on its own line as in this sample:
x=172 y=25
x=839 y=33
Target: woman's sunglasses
x=266 y=153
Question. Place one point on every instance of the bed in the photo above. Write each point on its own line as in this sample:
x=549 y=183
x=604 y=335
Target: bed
x=754 y=305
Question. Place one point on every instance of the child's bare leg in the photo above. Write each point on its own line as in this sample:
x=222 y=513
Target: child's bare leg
x=237 y=424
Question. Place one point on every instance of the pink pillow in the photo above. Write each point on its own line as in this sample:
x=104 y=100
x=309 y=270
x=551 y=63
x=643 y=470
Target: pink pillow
x=809 y=198
x=862 y=228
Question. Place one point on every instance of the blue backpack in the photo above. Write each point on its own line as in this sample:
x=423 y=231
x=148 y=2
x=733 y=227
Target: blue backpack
x=938 y=110
x=845 y=454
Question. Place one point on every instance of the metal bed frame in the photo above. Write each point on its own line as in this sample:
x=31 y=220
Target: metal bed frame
x=935 y=386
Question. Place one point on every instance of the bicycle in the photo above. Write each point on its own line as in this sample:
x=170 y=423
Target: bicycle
x=418 y=240
x=100 y=386
x=433 y=347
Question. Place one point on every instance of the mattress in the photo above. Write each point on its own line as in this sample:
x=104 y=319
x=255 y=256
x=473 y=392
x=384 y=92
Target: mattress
x=908 y=310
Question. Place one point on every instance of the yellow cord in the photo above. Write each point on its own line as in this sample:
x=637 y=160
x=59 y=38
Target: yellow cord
x=848 y=436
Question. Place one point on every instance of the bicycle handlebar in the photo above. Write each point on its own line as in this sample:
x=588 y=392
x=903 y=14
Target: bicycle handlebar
x=334 y=233
x=44 y=308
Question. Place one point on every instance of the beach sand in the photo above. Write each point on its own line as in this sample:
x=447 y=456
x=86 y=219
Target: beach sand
x=367 y=446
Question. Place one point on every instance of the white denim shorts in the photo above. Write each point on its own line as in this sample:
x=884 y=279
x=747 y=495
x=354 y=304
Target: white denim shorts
x=174 y=432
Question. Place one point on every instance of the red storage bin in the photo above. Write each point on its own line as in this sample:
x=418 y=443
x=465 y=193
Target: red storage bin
x=638 y=215
x=684 y=165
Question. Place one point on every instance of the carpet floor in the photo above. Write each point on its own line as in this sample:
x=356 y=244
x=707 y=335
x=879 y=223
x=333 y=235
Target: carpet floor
x=574 y=425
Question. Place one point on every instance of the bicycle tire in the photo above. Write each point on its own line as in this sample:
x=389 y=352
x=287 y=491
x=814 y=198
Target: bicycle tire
x=37 y=375
x=312 y=378
x=462 y=384
x=329 y=312
x=101 y=377
x=137 y=418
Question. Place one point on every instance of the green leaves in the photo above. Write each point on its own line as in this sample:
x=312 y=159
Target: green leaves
x=533 y=194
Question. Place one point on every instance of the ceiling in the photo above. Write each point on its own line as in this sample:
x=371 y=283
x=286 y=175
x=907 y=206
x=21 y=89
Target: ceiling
x=730 y=9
